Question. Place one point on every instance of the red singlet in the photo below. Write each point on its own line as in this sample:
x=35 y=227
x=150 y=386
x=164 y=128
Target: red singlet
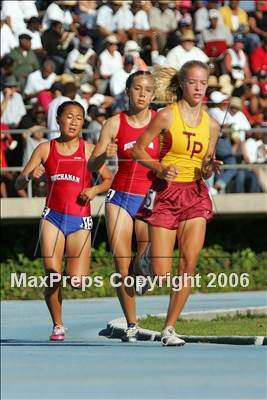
x=67 y=176
x=133 y=177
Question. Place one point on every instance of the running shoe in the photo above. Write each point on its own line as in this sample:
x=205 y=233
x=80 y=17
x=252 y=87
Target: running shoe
x=141 y=284
x=130 y=334
x=58 y=333
x=170 y=338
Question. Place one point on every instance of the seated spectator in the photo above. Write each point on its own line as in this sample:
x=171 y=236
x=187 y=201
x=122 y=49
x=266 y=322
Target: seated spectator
x=7 y=67
x=162 y=20
x=258 y=58
x=7 y=37
x=12 y=105
x=182 y=12
x=251 y=103
x=14 y=11
x=35 y=27
x=81 y=61
x=24 y=58
x=87 y=15
x=38 y=84
x=113 y=18
x=69 y=92
x=7 y=143
x=233 y=16
x=225 y=153
x=98 y=118
x=258 y=20
x=201 y=15
x=132 y=48
x=56 y=44
x=111 y=61
x=32 y=138
x=117 y=84
x=246 y=180
x=235 y=61
x=118 y=80
x=256 y=149
x=215 y=38
x=35 y=116
x=186 y=51
x=140 y=24
x=239 y=120
x=60 y=11
x=219 y=111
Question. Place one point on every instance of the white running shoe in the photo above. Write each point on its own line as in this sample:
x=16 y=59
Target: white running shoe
x=58 y=333
x=130 y=334
x=170 y=338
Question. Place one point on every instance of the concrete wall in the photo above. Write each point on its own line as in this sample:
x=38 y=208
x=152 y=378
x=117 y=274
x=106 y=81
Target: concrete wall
x=227 y=204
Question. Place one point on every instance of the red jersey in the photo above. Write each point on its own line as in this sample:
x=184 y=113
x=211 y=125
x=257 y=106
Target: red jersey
x=67 y=176
x=133 y=177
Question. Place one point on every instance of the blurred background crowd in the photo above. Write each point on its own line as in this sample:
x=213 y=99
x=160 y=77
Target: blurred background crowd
x=52 y=51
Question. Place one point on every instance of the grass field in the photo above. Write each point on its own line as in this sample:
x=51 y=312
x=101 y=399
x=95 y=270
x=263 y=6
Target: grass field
x=239 y=325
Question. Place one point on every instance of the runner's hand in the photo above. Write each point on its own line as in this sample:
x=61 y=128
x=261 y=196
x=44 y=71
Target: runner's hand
x=88 y=194
x=210 y=166
x=169 y=173
x=111 y=149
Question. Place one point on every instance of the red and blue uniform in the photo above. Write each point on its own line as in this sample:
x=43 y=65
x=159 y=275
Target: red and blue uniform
x=67 y=176
x=132 y=180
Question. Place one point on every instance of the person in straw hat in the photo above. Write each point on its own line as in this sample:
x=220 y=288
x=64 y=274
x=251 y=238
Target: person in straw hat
x=186 y=51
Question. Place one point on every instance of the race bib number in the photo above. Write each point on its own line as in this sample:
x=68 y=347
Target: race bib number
x=45 y=212
x=110 y=194
x=87 y=223
x=150 y=199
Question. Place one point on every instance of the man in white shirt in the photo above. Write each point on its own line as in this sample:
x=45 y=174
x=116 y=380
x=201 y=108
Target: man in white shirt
x=111 y=59
x=239 y=120
x=8 y=39
x=186 y=51
x=220 y=112
x=13 y=10
x=40 y=80
x=118 y=80
x=12 y=105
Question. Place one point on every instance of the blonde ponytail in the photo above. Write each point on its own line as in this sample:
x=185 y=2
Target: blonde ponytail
x=168 y=81
x=164 y=90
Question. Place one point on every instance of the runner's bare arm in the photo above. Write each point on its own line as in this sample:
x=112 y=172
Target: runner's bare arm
x=162 y=121
x=105 y=147
x=32 y=168
x=90 y=193
x=210 y=165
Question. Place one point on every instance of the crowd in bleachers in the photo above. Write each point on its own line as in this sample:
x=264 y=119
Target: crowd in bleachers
x=52 y=51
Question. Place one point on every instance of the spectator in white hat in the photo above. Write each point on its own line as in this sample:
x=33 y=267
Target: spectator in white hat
x=219 y=111
x=215 y=38
x=186 y=51
x=110 y=62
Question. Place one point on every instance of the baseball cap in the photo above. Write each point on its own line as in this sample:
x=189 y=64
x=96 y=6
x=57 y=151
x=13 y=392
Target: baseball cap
x=26 y=34
x=213 y=13
x=239 y=37
x=131 y=47
x=218 y=97
x=112 y=39
x=10 y=81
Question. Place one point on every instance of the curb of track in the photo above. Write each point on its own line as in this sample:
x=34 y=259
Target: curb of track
x=115 y=328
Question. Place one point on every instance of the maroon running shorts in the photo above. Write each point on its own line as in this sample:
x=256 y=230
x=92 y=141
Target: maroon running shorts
x=168 y=203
